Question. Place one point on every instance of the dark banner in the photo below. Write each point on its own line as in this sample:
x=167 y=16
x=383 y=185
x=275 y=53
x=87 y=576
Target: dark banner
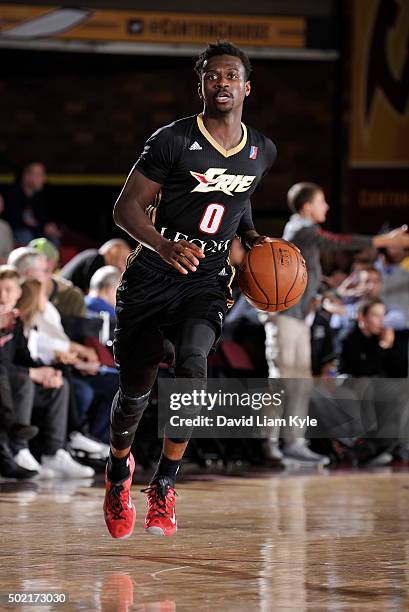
x=379 y=136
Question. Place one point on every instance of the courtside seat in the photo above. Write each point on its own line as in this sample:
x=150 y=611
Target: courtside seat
x=235 y=356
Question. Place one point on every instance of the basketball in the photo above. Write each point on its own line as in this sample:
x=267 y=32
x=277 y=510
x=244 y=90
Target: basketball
x=273 y=276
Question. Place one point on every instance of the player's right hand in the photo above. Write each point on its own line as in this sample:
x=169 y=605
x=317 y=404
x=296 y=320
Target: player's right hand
x=182 y=255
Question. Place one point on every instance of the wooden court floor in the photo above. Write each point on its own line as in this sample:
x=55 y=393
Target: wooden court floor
x=264 y=543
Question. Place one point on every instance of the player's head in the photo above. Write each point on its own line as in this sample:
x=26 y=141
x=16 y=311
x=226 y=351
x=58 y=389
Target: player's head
x=371 y=317
x=308 y=200
x=224 y=71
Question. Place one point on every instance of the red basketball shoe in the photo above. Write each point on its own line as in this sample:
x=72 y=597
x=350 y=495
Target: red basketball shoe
x=119 y=510
x=161 y=516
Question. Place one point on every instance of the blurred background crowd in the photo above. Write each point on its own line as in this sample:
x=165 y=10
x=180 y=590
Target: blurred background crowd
x=83 y=90
x=58 y=377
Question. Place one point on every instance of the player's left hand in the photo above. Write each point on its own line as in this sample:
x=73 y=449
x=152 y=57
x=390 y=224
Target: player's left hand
x=259 y=240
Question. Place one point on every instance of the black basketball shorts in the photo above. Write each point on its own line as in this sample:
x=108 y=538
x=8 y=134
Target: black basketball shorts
x=151 y=303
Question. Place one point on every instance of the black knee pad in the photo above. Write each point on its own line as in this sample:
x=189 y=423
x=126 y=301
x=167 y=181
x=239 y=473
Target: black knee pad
x=126 y=412
x=192 y=364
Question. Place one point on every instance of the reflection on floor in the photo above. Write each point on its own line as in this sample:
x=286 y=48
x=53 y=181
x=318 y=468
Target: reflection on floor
x=315 y=541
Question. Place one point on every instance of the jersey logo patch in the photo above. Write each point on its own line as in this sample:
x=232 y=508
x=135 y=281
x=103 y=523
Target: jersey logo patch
x=195 y=146
x=214 y=179
x=253 y=152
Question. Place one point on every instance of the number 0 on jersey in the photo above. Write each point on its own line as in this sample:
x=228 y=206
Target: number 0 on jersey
x=211 y=218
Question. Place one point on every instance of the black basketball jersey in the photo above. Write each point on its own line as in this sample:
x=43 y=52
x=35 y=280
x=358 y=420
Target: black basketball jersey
x=206 y=190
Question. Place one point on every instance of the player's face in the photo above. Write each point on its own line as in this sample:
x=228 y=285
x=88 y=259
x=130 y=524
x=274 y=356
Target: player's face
x=319 y=207
x=223 y=86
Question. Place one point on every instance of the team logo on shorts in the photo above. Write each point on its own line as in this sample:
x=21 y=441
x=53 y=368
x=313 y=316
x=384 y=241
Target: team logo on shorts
x=215 y=179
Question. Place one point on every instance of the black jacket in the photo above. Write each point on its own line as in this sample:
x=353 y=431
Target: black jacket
x=362 y=356
x=80 y=268
x=16 y=203
x=14 y=349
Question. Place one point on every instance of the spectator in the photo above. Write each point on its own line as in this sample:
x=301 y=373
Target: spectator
x=6 y=236
x=53 y=345
x=31 y=305
x=358 y=287
x=323 y=347
x=25 y=208
x=39 y=392
x=81 y=267
x=365 y=355
x=68 y=300
x=29 y=263
x=307 y=201
x=102 y=293
x=363 y=350
x=52 y=340
x=9 y=428
x=395 y=280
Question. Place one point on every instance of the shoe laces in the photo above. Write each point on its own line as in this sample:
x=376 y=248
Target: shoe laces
x=157 y=496
x=116 y=506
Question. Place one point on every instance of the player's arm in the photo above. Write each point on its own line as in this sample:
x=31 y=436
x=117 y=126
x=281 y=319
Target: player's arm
x=247 y=231
x=129 y=214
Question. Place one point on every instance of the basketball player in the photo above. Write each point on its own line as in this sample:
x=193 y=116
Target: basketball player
x=185 y=199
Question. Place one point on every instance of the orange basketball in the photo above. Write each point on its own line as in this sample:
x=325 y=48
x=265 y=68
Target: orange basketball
x=273 y=276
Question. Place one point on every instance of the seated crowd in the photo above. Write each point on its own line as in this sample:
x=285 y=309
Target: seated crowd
x=359 y=338
x=58 y=377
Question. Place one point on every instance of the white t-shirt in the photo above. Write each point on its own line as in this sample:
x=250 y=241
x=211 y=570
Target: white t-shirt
x=47 y=335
